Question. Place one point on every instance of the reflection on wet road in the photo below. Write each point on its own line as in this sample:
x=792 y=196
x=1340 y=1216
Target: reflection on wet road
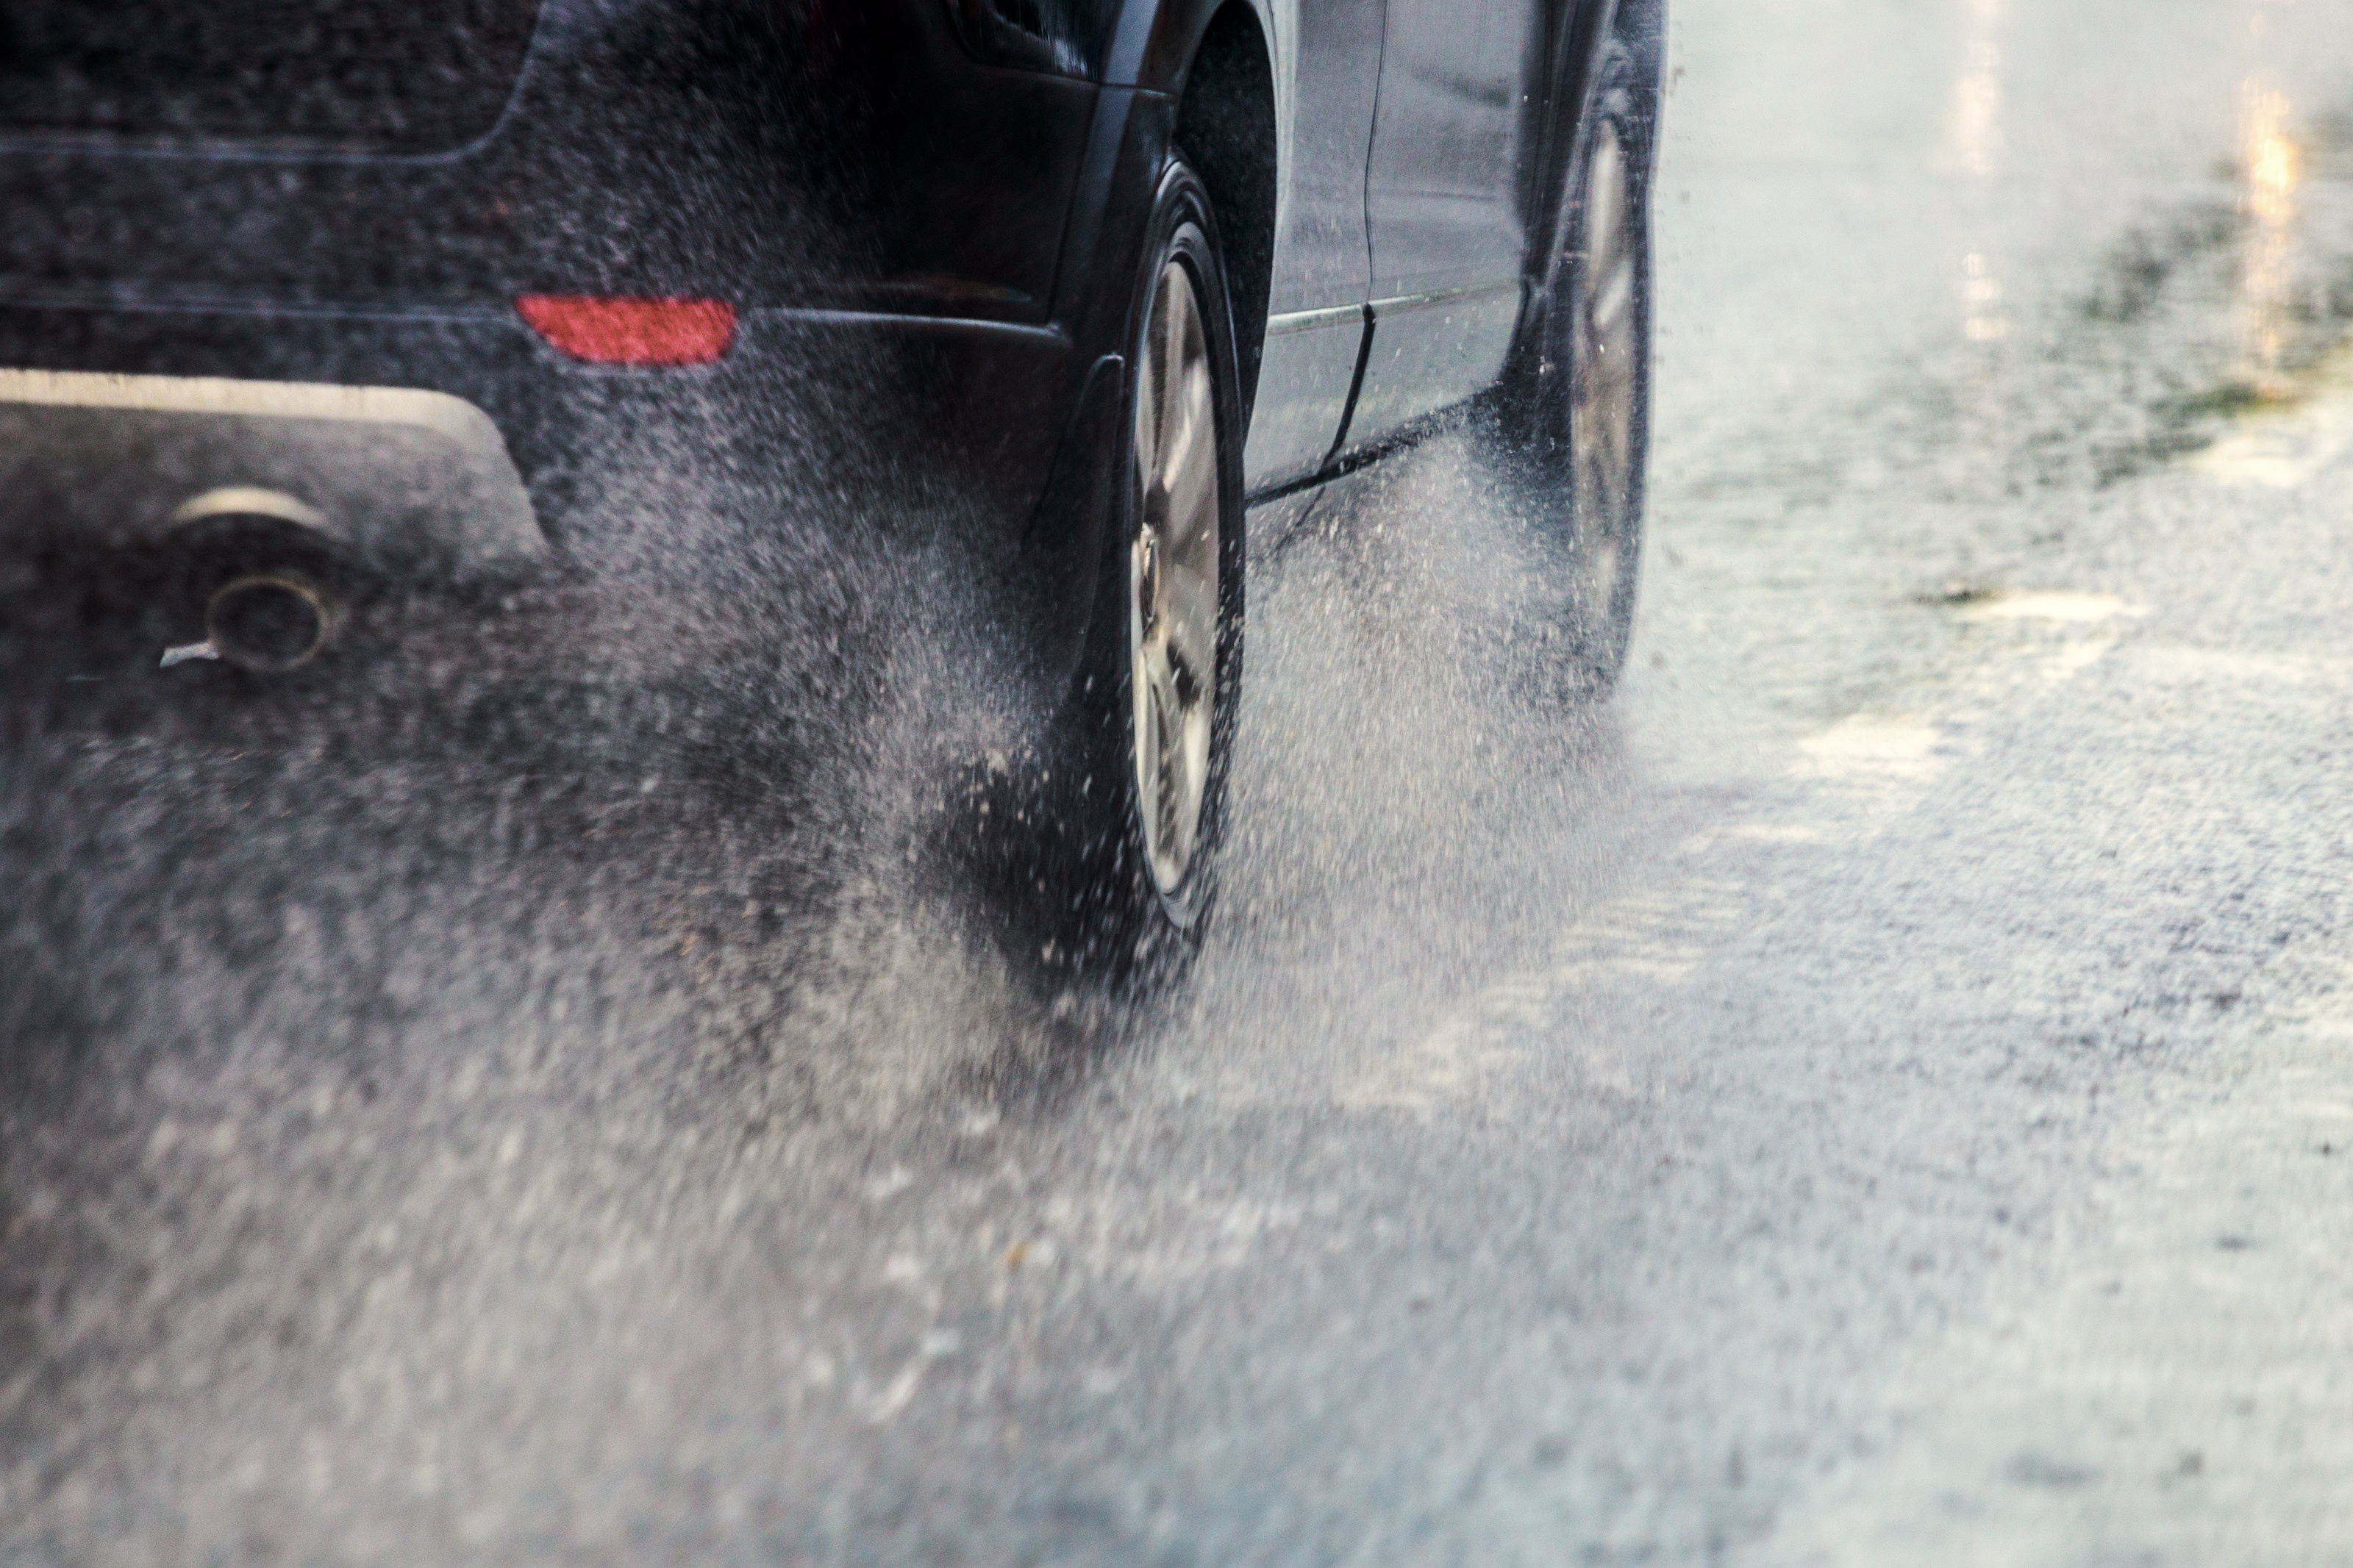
x=1874 y=1092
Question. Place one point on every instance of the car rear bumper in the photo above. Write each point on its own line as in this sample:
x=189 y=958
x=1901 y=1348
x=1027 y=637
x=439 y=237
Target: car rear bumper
x=391 y=475
x=461 y=437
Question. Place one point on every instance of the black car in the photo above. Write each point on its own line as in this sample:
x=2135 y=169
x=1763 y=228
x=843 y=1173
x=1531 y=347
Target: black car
x=340 y=280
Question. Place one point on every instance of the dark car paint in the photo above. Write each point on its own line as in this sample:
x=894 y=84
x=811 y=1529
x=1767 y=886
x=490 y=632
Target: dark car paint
x=974 y=223
x=416 y=77
x=850 y=156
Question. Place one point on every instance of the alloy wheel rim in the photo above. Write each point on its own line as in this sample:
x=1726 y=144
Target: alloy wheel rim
x=1603 y=342
x=1173 y=566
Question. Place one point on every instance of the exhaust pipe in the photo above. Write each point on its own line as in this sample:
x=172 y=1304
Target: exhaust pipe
x=270 y=622
x=269 y=576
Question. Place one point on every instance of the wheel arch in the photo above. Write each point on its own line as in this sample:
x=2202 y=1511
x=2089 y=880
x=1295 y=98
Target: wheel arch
x=1580 y=31
x=1220 y=103
x=1226 y=128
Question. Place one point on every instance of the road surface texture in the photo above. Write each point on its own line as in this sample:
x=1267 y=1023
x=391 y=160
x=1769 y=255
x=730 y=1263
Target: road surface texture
x=1879 y=1091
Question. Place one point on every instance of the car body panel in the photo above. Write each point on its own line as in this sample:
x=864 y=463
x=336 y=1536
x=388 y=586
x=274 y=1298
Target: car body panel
x=827 y=155
x=1446 y=221
x=1322 y=270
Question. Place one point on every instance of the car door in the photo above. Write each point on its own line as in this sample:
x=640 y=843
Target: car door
x=1322 y=270
x=1443 y=210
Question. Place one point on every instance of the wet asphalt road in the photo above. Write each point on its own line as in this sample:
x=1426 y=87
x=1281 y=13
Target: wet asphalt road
x=1874 y=1092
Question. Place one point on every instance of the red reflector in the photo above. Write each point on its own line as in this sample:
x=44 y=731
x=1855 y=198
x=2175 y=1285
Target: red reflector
x=632 y=331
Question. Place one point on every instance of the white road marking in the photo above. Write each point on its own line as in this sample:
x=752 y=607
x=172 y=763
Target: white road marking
x=2051 y=607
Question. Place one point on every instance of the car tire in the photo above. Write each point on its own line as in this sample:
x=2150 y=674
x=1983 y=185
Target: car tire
x=1146 y=740
x=1577 y=409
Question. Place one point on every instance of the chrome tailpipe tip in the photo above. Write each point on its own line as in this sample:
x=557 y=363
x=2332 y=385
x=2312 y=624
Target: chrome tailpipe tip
x=270 y=622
